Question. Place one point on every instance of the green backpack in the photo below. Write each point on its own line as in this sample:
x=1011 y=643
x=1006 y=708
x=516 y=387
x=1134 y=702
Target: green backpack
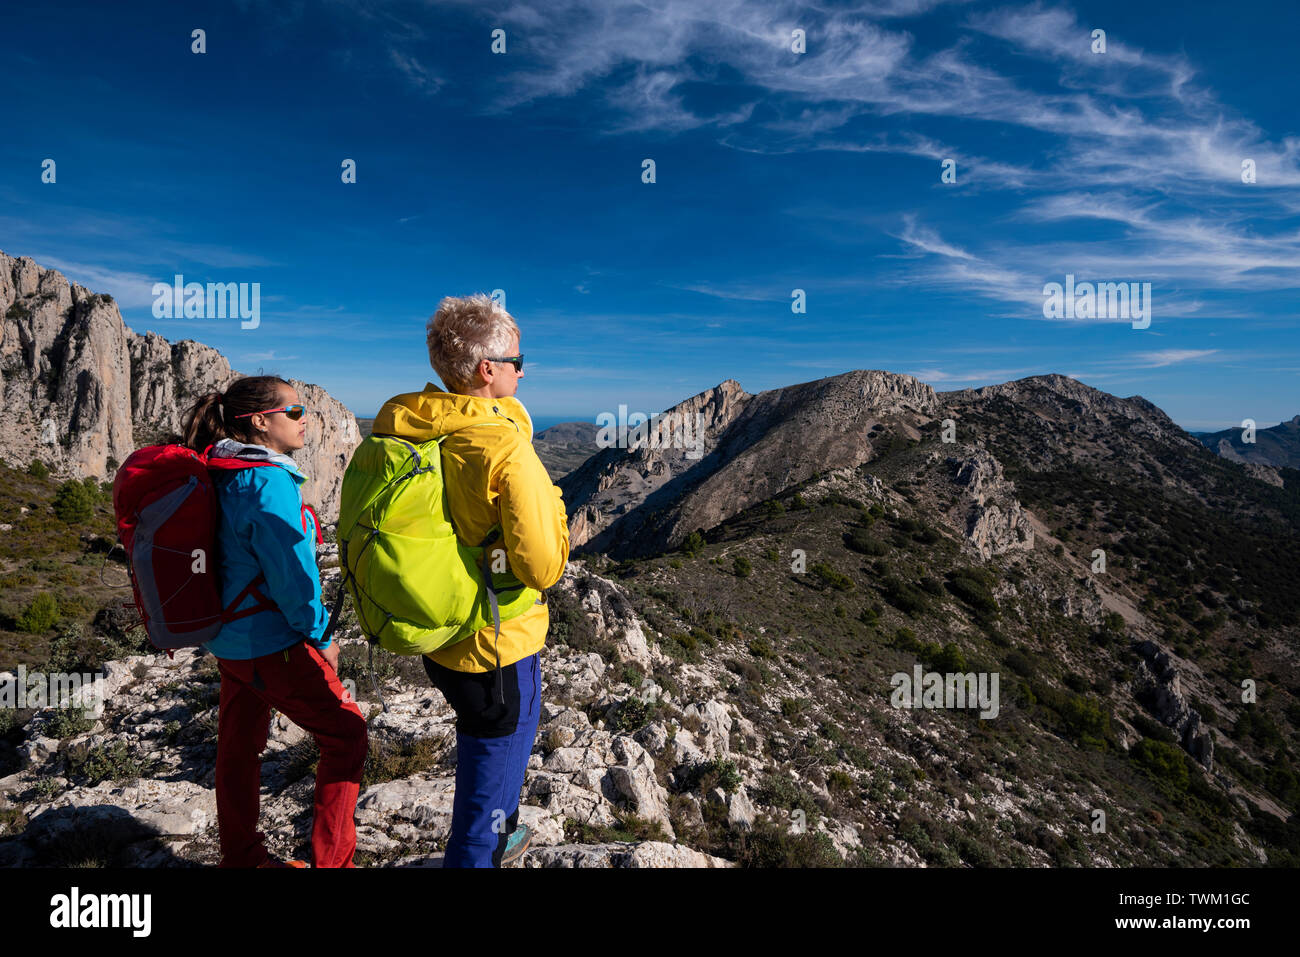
x=415 y=587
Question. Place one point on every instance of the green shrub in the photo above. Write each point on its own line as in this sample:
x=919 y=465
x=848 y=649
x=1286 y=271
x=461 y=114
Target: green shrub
x=632 y=714
x=1152 y=729
x=1085 y=718
x=905 y=640
x=693 y=544
x=1164 y=762
x=771 y=845
x=13 y=820
x=627 y=829
x=68 y=722
x=861 y=540
x=1114 y=623
x=761 y=648
x=972 y=587
x=742 y=566
x=774 y=508
x=926 y=536
x=109 y=762
x=829 y=576
x=1020 y=662
x=38 y=469
x=386 y=759
x=778 y=790
x=905 y=597
x=40 y=615
x=947 y=659
x=745 y=669
x=74 y=503
x=715 y=773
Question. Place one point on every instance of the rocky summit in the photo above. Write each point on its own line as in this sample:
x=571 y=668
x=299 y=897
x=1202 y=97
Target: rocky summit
x=634 y=501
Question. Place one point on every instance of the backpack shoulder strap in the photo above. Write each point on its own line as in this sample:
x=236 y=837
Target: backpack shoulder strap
x=320 y=538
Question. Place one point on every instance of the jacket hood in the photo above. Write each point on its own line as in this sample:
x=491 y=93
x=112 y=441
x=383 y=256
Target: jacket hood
x=234 y=449
x=431 y=414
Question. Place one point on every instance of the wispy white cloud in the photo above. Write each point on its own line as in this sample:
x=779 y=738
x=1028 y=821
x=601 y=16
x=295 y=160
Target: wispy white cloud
x=420 y=77
x=1168 y=357
x=929 y=241
x=747 y=291
x=1132 y=134
x=130 y=289
x=935 y=374
x=271 y=355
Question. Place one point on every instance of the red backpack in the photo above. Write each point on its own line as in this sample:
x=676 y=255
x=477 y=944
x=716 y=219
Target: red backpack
x=167 y=514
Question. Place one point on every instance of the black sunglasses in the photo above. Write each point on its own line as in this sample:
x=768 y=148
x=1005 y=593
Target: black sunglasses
x=516 y=361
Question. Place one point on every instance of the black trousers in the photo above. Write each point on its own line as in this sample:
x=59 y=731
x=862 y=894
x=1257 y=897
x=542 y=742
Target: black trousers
x=472 y=695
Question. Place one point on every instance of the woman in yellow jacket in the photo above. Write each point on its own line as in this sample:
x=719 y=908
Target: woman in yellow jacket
x=493 y=476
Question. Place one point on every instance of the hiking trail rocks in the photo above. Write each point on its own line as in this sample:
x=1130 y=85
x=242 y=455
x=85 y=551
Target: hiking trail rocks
x=149 y=800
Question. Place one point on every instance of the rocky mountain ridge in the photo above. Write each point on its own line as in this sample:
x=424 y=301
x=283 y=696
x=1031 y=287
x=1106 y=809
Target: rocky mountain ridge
x=83 y=390
x=634 y=501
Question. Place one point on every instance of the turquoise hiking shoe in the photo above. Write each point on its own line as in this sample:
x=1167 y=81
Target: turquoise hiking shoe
x=516 y=844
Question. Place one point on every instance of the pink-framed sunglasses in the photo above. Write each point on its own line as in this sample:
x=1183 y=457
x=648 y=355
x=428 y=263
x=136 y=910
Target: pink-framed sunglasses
x=294 y=412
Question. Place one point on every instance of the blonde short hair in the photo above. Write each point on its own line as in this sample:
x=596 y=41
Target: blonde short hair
x=463 y=332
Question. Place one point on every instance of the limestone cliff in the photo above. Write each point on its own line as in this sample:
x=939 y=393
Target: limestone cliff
x=82 y=390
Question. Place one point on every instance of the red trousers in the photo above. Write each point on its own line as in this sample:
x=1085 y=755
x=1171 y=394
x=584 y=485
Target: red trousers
x=301 y=685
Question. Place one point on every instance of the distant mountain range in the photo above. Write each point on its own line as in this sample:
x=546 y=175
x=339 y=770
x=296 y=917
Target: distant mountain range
x=1276 y=446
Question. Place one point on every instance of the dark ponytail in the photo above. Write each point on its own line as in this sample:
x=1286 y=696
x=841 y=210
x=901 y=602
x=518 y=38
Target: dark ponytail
x=215 y=416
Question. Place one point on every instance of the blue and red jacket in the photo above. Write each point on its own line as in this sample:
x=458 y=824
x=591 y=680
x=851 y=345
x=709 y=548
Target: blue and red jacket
x=265 y=529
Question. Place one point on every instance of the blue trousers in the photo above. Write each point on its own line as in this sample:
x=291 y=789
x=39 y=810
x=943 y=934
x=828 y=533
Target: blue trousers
x=493 y=742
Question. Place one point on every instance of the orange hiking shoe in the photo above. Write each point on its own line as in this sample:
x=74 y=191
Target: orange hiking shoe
x=272 y=862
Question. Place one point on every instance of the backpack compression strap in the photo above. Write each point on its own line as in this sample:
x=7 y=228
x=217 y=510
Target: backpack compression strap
x=263 y=603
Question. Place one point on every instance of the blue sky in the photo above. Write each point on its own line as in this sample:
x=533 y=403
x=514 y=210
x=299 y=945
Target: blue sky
x=775 y=171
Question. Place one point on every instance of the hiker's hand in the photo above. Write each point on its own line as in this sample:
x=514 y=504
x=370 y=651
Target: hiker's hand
x=331 y=654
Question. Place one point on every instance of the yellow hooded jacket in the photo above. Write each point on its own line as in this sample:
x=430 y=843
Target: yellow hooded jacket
x=493 y=475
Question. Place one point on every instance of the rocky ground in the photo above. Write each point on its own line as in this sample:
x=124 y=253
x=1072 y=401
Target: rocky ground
x=136 y=786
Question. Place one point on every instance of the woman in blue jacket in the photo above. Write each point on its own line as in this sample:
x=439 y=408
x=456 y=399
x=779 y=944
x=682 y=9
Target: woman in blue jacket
x=277 y=655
